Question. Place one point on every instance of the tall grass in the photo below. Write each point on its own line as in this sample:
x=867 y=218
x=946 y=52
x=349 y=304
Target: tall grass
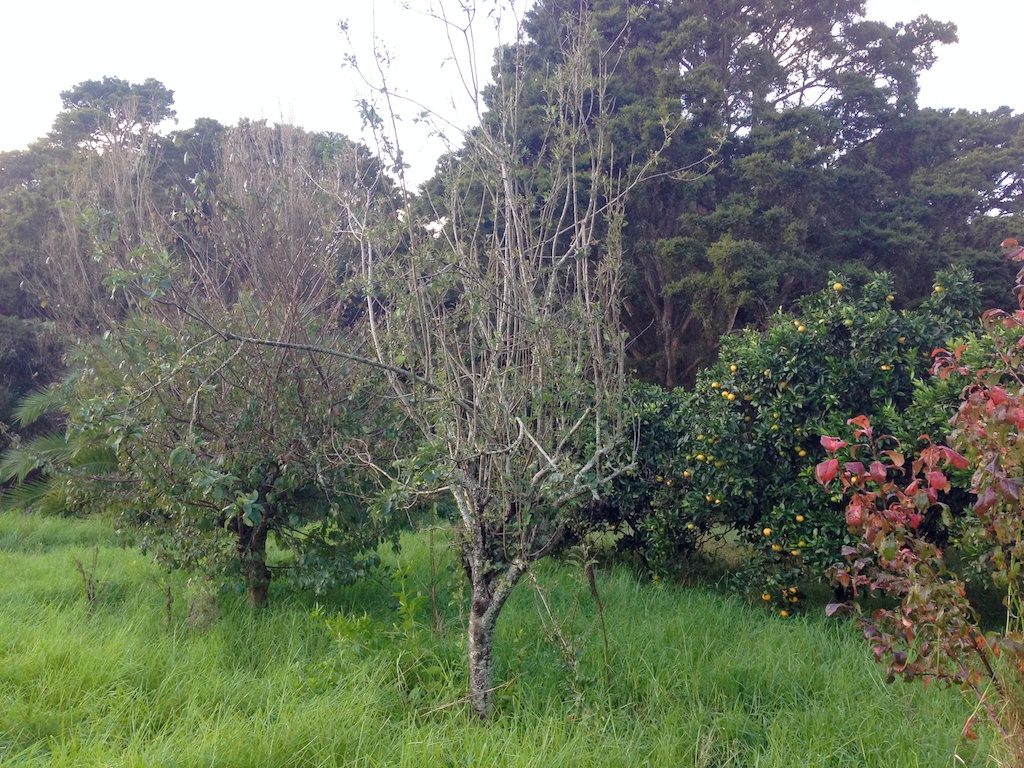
x=360 y=678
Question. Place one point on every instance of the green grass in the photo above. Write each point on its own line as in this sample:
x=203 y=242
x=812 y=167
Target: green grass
x=360 y=678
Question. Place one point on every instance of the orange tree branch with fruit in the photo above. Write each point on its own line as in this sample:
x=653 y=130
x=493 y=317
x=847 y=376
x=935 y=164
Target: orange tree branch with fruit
x=730 y=462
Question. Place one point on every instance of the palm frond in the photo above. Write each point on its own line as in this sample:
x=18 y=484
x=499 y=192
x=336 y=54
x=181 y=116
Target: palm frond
x=53 y=448
x=35 y=405
x=16 y=464
x=54 y=460
x=94 y=460
x=45 y=494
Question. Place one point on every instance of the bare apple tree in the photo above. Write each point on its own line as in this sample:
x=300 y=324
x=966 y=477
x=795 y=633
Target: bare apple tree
x=500 y=296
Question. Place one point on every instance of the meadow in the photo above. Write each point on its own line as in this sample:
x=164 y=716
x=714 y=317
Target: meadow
x=372 y=675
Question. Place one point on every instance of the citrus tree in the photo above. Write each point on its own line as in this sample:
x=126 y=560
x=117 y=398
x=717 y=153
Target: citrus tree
x=735 y=455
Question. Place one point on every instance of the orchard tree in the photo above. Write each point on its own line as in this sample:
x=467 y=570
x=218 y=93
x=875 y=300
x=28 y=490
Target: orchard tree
x=735 y=454
x=222 y=446
x=498 y=324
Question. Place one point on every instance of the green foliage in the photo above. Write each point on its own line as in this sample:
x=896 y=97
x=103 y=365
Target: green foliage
x=29 y=357
x=796 y=148
x=767 y=104
x=48 y=473
x=30 y=349
x=111 y=111
x=227 y=456
x=934 y=188
x=733 y=458
x=703 y=680
x=221 y=446
x=206 y=458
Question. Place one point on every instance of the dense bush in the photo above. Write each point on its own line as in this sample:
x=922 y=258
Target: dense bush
x=732 y=460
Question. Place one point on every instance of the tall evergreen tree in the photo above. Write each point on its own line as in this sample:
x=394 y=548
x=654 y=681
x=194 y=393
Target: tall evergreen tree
x=776 y=110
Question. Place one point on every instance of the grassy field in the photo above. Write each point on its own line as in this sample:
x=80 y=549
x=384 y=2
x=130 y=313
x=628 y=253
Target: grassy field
x=361 y=678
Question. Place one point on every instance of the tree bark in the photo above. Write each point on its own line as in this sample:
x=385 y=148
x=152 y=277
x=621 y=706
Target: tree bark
x=489 y=596
x=481 y=656
x=252 y=554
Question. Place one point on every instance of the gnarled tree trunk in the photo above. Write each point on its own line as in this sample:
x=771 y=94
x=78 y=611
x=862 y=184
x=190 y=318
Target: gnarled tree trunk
x=488 y=598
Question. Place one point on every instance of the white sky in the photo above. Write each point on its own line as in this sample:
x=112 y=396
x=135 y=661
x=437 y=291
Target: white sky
x=283 y=61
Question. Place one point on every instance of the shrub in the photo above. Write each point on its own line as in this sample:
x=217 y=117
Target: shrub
x=934 y=632
x=732 y=459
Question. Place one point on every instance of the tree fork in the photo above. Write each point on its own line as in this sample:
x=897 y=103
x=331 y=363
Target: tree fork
x=488 y=598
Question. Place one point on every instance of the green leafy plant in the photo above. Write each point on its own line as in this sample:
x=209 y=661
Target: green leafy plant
x=731 y=461
x=217 y=462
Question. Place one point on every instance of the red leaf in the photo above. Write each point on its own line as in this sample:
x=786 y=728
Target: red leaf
x=1017 y=414
x=997 y=395
x=986 y=500
x=832 y=444
x=854 y=468
x=897 y=458
x=862 y=423
x=936 y=479
x=877 y=471
x=954 y=458
x=854 y=515
x=826 y=471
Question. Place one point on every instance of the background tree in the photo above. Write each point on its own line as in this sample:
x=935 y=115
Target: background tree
x=934 y=188
x=39 y=187
x=111 y=112
x=30 y=349
x=794 y=99
x=27 y=353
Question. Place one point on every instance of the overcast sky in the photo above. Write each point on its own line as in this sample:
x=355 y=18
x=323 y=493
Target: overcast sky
x=283 y=61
